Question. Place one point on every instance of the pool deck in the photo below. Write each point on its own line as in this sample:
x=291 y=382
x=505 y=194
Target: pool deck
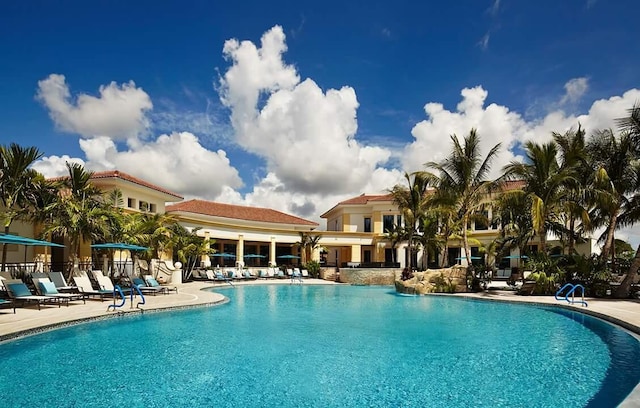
x=30 y=320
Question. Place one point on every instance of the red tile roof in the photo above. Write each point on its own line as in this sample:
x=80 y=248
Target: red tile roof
x=238 y=212
x=132 y=179
x=363 y=199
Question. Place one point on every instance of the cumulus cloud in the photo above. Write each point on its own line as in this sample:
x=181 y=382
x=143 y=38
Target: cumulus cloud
x=176 y=161
x=494 y=123
x=118 y=112
x=306 y=135
x=55 y=166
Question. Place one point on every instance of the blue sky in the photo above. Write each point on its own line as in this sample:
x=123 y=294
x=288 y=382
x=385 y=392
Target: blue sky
x=298 y=106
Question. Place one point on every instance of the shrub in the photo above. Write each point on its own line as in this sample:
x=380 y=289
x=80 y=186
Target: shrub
x=314 y=268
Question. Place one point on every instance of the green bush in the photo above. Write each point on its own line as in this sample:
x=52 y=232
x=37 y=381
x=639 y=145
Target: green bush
x=314 y=268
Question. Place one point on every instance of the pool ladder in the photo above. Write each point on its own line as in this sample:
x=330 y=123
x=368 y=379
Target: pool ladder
x=571 y=292
x=118 y=290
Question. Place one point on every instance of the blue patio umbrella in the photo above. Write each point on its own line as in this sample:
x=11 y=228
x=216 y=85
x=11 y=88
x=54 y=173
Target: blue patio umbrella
x=288 y=257
x=20 y=240
x=473 y=258
x=121 y=246
x=254 y=256
x=223 y=255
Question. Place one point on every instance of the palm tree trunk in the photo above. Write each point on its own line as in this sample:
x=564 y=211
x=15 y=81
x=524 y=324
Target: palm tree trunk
x=608 y=244
x=630 y=278
x=465 y=240
x=4 y=250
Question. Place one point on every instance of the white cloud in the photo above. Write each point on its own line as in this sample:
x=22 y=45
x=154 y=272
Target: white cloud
x=495 y=124
x=306 y=136
x=55 y=166
x=177 y=162
x=484 y=41
x=574 y=90
x=118 y=112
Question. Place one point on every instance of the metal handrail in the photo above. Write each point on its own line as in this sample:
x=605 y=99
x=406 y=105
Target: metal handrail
x=571 y=292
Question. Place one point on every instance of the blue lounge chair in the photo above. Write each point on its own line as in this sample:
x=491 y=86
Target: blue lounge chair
x=152 y=282
x=47 y=288
x=145 y=288
x=19 y=292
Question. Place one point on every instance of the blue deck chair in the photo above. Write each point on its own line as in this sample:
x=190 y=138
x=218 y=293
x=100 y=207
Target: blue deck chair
x=145 y=288
x=19 y=292
x=151 y=281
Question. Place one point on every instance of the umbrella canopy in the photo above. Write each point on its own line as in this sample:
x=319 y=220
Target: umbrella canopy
x=473 y=258
x=223 y=255
x=119 y=245
x=19 y=240
x=516 y=257
x=254 y=256
x=288 y=257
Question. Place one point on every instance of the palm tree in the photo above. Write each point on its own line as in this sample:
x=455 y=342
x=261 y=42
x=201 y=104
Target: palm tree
x=462 y=181
x=18 y=183
x=428 y=237
x=411 y=200
x=153 y=231
x=308 y=243
x=79 y=213
x=513 y=211
x=574 y=159
x=394 y=236
x=546 y=182
x=616 y=184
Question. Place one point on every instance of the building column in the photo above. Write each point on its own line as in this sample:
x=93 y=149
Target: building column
x=272 y=251
x=240 y=251
x=356 y=256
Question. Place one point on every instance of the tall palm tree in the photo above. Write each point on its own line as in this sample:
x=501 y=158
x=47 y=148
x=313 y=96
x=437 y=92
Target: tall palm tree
x=462 y=181
x=18 y=183
x=546 y=182
x=411 y=201
x=394 y=236
x=79 y=214
x=574 y=160
x=153 y=231
x=616 y=184
x=513 y=212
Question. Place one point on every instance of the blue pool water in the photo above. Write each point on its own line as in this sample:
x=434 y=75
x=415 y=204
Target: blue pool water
x=327 y=346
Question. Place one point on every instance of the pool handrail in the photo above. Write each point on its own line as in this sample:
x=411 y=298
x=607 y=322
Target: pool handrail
x=135 y=288
x=571 y=292
x=117 y=289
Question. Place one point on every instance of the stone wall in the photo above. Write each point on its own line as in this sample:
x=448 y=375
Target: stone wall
x=368 y=276
x=434 y=280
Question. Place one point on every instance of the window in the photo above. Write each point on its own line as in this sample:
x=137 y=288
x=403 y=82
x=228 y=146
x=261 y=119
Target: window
x=367 y=224
x=143 y=206
x=152 y=208
x=367 y=256
x=131 y=202
x=387 y=223
x=398 y=220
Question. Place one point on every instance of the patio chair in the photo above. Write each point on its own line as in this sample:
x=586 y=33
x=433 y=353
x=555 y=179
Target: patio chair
x=304 y=273
x=84 y=286
x=61 y=284
x=19 y=292
x=152 y=282
x=47 y=288
x=144 y=288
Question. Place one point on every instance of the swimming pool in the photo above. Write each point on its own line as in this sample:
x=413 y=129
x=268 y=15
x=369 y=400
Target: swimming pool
x=327 y=346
